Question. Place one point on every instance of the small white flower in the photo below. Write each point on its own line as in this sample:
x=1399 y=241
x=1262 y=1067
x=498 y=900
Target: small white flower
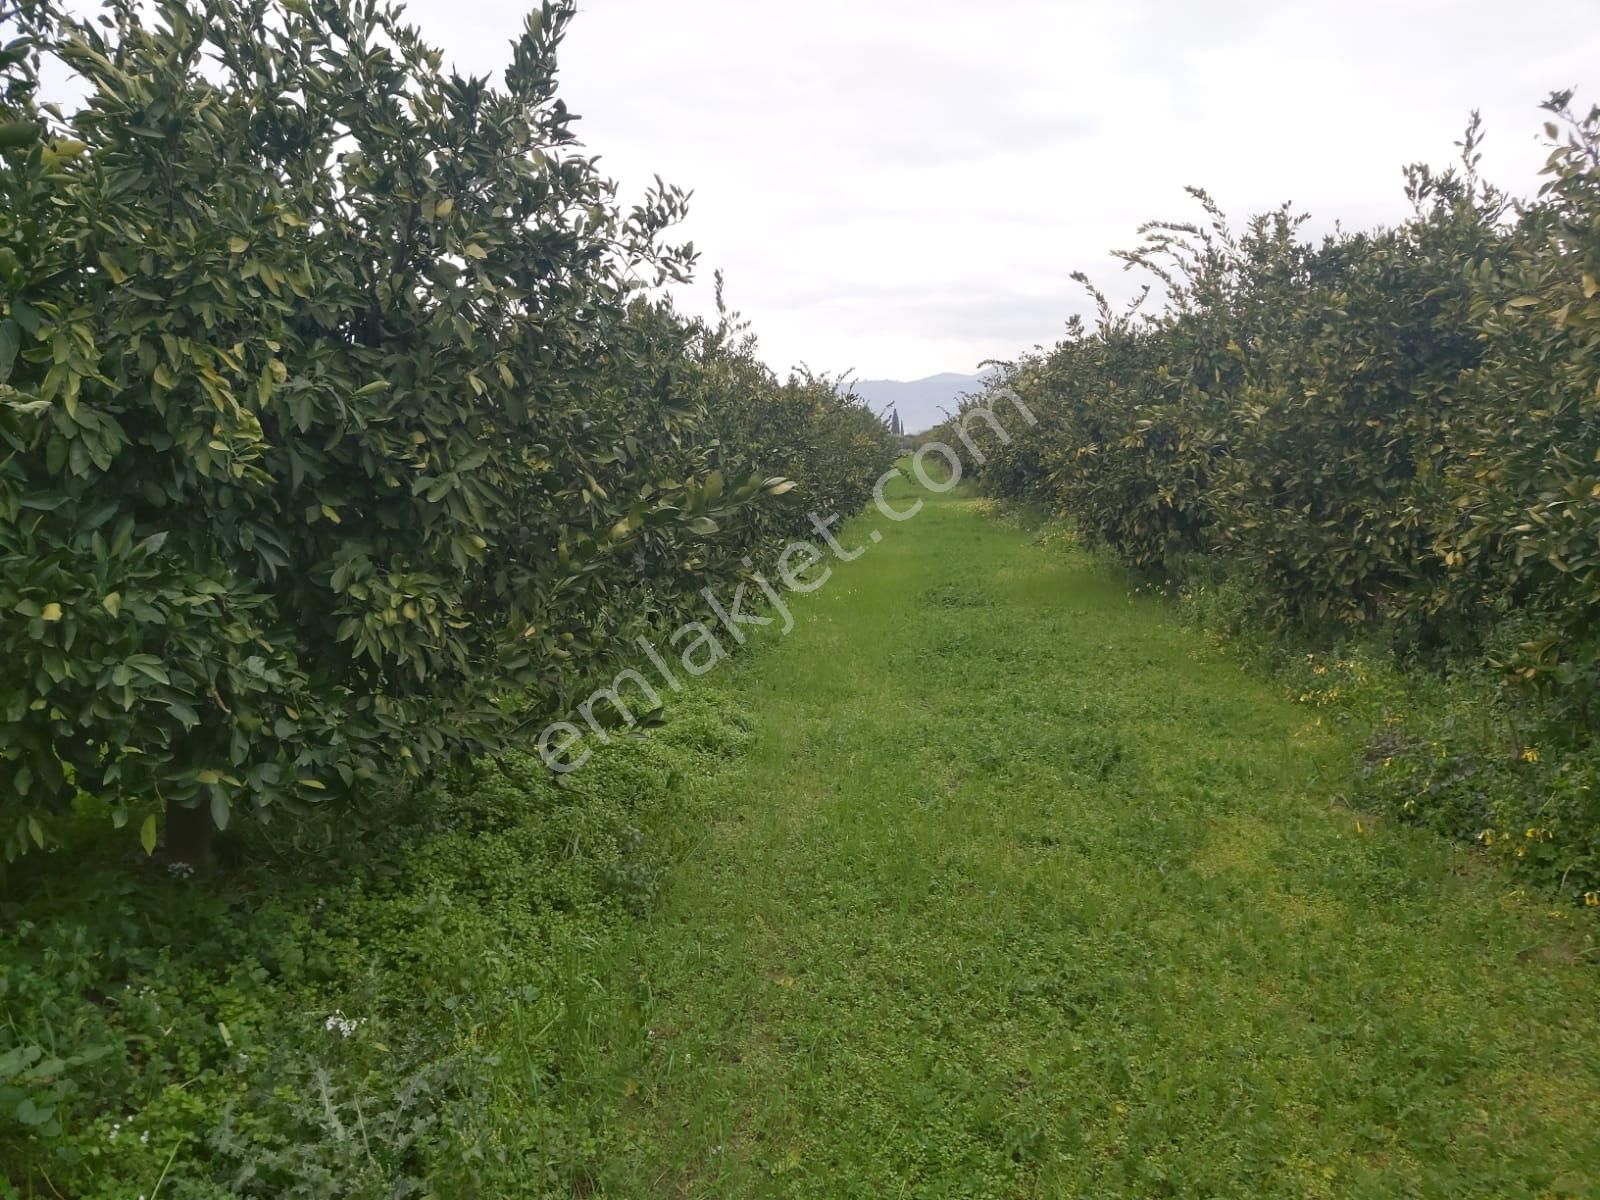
x=342 y=1025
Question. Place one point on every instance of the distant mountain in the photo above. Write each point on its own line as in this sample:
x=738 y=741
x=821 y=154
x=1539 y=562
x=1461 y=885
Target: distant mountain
x=922 y=403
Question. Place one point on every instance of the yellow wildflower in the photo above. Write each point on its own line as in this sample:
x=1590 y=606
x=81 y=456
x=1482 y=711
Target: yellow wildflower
x=1530 y=755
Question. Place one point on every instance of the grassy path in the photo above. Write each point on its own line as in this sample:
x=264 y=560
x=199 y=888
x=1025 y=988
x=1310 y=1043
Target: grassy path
x=1020 y=891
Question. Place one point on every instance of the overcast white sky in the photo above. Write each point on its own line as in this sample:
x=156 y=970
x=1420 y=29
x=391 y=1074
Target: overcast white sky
x=901 y=187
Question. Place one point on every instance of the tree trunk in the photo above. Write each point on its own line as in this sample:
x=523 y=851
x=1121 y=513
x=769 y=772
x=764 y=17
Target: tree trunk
x=191 y=836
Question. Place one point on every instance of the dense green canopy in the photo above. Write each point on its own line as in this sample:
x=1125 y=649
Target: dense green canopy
x=338 y=417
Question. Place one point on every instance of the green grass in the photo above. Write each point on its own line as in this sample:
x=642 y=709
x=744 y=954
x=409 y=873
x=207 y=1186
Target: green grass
x=1018 y=889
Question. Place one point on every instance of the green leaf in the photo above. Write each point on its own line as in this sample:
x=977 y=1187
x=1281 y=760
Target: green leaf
x=147 y=835
x=150 y=668
x=32 y=1114
x=10 y=343
x=27 y=316
x=220 y=809
x=16 y=134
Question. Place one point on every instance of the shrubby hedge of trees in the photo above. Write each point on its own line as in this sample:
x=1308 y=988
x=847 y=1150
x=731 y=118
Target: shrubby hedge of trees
x=340 y=425
x=1390 y=435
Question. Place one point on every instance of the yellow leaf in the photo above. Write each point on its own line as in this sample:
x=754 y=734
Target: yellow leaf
x=1590 y=286
x=473 y=250
x=113 y=603
x=147 y=834
x=313 y=784
x=208 y=776
x=112 y=269
x=444 y=208
x=238 y=245
x=52 y=612
x=328 y=511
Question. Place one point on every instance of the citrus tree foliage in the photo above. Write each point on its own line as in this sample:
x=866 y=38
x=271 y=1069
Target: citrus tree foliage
x=1524 y=474
x=1397 y=424
x=814 y=424
x=332 y=412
